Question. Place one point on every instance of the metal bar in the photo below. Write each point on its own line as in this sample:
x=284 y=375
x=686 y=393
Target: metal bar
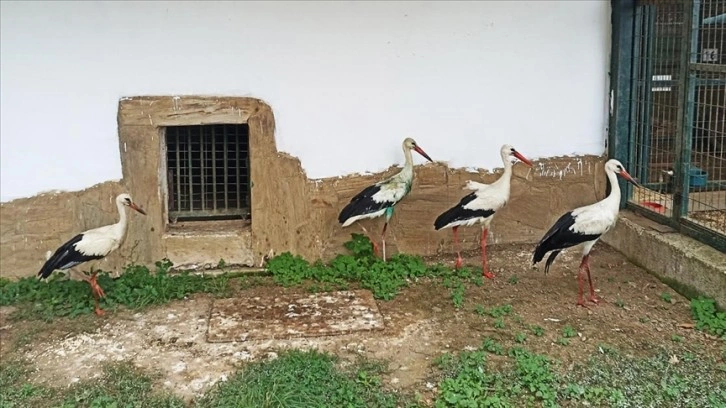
x=226 y=167
x=178 y=172
x=703 y=67
x=214 y=169
x=636 y=92
x=621 y=89
x=238 y=140
x=202 y=165
x=646 y=130
x=190 y=178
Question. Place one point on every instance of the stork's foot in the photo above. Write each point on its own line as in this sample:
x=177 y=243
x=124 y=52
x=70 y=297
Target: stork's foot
x=488 y=275
x=594 y=299
x=376 y=250
x=458 y=263
x=99 y=311
x=582 y=303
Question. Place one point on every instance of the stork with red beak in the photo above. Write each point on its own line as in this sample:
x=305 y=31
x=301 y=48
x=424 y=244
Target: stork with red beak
x=480 y=206
x=92 y=245
x=381 y=198
x=584 y=225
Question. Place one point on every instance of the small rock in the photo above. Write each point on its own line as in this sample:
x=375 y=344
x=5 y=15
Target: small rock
x=403 y=368
x=395 y=380
x=436 y=309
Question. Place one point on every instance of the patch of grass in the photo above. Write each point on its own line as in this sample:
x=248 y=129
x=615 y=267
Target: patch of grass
x=479 y=309
x=608 y=379
x=499 y=311
x=537 y=330
x=136 y=288
x=121 y=385
x=666 y=297
x=384 y=279
x=513 y=280
x=676 y=338
x=612 y=379
x=569 y=332
x=303 y=379
x=619 y=303
x=492 y=346
x=707 y=318
x=563 y=341
x=499 y=323
x=15 y=391
x=520 y=337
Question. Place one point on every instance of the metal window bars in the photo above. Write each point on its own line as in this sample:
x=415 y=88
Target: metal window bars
x=208 y=172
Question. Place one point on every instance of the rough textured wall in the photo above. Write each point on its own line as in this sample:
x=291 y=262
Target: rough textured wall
x=289 y=211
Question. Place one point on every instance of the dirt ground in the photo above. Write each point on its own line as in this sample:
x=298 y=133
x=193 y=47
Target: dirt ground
x=421 y=323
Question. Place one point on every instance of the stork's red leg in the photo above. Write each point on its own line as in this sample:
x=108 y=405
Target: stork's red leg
x=375 y=246
x=485 y=266
x=581 y=281
x=97 y=292
x=459 y=262
x=593 y=298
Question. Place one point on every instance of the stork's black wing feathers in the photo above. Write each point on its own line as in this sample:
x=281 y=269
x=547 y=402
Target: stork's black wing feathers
x=66 y=257
x=459 y=213
x=362 y=203
x=559 y=237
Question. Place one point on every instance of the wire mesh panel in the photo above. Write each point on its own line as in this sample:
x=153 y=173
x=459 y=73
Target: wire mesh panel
x=654 y=107
x=706 y=117
x=208 y=172
x=677 y=135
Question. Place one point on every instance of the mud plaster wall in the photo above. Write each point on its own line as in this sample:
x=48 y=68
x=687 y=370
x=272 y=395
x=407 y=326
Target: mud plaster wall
x=289 y=211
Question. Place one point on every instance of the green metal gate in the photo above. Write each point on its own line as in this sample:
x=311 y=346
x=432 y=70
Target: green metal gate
x=668 y=123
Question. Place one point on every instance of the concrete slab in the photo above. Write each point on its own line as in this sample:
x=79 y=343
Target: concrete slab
x=688 y=266
x=293 y=315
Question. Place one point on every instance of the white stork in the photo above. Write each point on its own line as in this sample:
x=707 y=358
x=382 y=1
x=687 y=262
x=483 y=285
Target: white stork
x=584 y=225
x=91 y=245
x=380 y=198
x=480 y=206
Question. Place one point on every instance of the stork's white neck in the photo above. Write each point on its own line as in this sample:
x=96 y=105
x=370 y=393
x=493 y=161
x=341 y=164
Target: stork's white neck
x=613 y=199
x=120 y=227
x=506 y=177
x=409 y=158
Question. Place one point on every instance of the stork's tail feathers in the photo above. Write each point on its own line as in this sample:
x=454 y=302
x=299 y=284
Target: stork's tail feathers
x=539 y=254
x=550 y=259
x=445 y=218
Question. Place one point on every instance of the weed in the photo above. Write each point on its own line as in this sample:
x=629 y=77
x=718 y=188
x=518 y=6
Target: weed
x=537 y=330
x=303 y=379
x=666 y=297
x=513 y=280
x=520 y=337
x=676 y=338
x=490 y=345
x=384 y=279
x=707 y=318
x=479 y=309
x=563 y=341
x=569 y=331
x=499 y=311
x=499 y=323
x=136 y=288
x=643 y=319
x=619 y=303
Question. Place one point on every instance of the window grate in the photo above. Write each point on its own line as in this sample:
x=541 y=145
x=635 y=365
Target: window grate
x=208 y=172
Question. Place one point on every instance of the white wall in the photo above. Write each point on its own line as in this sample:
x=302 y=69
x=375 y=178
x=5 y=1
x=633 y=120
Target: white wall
x=347 y=81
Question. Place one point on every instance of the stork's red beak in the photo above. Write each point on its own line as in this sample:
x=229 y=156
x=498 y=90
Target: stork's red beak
x=624 y=174
x=137 y=208
x=422 y=153
x=522 y=158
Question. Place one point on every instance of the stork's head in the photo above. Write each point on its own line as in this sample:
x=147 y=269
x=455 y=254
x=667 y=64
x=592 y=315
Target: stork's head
x=614 y=166
x=411 y=144
x=126 y=200
x=511 y=155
